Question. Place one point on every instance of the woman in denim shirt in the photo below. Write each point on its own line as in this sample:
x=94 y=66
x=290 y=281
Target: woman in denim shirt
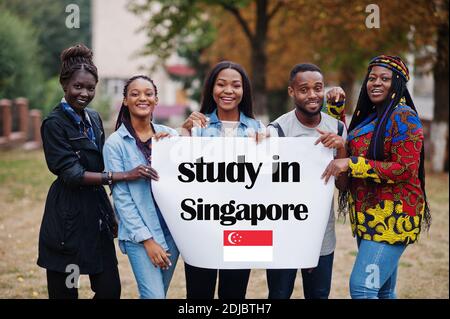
x=226 y=110
x=143 y=233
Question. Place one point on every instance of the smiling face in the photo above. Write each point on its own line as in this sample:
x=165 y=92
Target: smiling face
x=307 y=90
x=228 y=90
x=80 y=90
x=379 y=84
x=141 y=98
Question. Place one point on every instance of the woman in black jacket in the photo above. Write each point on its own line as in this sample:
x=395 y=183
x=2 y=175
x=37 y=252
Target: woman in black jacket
x=78 y=227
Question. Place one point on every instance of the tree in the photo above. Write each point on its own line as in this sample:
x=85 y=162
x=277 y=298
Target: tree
x=48 y=18
x=440 y=127
x=330 y=33
x=269 y=37
x=282 y=50
x=344 y=42
x=20 y=72
x=37 y=33
x=175 y=23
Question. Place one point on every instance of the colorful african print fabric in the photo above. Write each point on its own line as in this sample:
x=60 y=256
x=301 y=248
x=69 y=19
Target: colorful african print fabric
x=335 y=109
x=386 y=198
x=393 y=63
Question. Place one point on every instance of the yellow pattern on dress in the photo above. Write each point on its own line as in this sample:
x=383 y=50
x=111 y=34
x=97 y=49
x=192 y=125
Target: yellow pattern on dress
x=390 y=223
x=361 y=169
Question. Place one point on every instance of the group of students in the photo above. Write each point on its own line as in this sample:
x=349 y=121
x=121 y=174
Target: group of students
x=378 y=167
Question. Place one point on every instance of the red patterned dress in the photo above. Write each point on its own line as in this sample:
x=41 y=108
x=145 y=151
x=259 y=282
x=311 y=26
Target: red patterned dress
x=386 y=199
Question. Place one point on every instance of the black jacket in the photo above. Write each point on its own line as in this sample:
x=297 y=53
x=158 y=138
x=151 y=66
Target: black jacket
x=74 y=214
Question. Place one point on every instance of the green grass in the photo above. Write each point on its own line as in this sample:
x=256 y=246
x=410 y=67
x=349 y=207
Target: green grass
x=24 y=183
x=405 y=264
x=24 y=175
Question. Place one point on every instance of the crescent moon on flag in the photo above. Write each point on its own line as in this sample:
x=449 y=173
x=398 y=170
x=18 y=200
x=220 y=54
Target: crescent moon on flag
x=229 y=238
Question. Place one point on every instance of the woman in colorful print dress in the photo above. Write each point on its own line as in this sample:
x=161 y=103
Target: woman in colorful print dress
x=385 y=193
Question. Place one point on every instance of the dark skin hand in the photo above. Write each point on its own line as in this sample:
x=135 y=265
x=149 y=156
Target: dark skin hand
x=336 y=94
x=141 y=171
x=337 y=168
x=332 y=140
x=196 y=119
x=158 y=256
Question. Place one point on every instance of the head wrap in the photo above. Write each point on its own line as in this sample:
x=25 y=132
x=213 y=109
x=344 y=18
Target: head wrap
x=393 y=63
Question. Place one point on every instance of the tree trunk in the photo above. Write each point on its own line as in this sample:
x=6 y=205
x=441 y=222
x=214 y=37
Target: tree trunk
x=259 y=65
x=259 y=59
x=439 y=146
x=347 y=83
x=439 y=126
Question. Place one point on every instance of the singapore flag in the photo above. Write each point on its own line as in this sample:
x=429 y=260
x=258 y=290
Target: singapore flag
x=247 y=245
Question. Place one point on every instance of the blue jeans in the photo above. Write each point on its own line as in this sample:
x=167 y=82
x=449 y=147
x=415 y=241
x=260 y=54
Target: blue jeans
x=374 y=273
x=153 y=282
x=316 y=281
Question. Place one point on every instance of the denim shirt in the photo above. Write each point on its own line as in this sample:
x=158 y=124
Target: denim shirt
x=83 y=123
x=135 y=207
x=214 y=129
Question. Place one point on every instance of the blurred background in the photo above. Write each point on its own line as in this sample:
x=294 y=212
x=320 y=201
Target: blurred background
x=176 y=43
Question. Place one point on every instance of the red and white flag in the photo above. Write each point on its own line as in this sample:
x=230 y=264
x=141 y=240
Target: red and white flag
x=247 y=245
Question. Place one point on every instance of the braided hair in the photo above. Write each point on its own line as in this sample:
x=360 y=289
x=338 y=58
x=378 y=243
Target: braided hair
x=125 y=118
x=365 y=107
x=124 y=113
x=75 y=58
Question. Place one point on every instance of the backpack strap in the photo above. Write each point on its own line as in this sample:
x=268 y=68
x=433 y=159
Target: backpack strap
x=340 y=128
x=278 y=128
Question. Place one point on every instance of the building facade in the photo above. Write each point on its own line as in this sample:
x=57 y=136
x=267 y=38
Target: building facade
x=117 y=44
